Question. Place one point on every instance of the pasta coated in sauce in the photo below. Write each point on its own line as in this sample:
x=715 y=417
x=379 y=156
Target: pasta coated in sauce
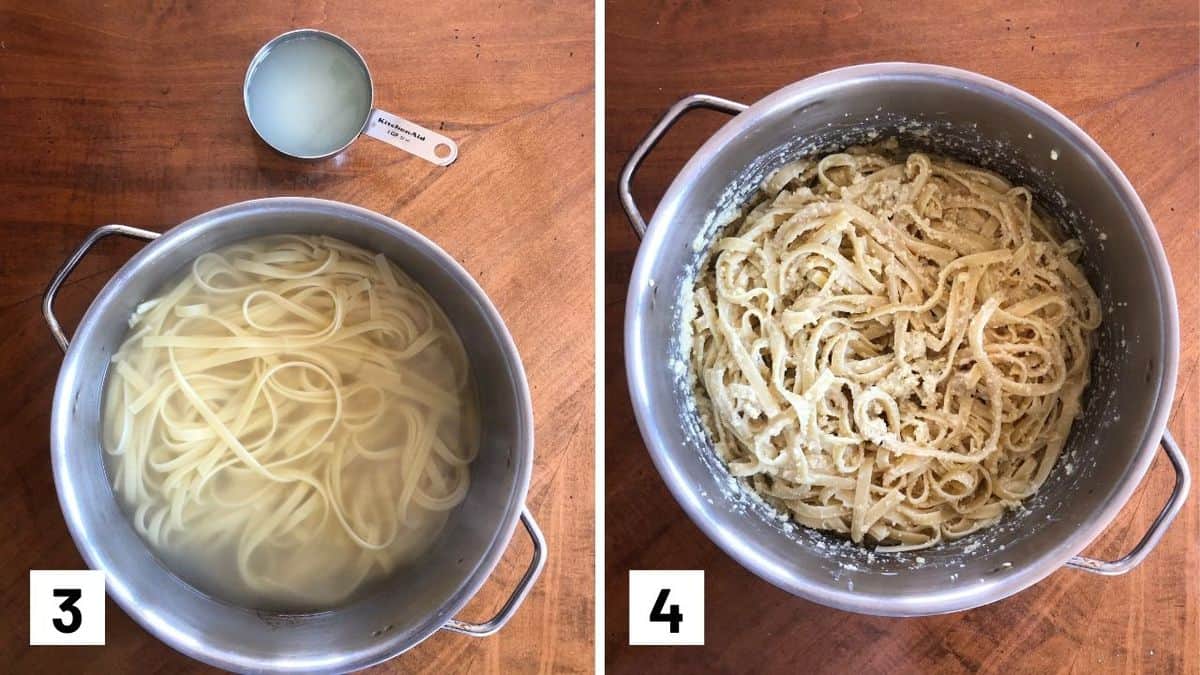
x=891 y=346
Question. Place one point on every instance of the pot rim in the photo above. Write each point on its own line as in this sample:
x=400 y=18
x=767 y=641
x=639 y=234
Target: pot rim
x=193 y=645
x=639 y=374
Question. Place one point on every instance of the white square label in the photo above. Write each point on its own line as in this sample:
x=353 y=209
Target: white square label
x=666 y=607
x=66 y=607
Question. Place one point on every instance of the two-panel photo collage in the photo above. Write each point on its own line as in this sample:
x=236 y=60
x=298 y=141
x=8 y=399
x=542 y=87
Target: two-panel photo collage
x=584 y=337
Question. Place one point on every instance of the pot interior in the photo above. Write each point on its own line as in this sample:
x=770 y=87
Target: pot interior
x=404 y=607
x=1109 y=448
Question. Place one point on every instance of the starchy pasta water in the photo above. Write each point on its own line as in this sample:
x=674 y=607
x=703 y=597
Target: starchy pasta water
x=892 y=346
x=290 y=420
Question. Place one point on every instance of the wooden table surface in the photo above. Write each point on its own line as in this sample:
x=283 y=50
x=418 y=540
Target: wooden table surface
x=132 y=112
x=1127 y=73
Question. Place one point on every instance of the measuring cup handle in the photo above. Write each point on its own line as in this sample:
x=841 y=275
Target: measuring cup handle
x=411 y=137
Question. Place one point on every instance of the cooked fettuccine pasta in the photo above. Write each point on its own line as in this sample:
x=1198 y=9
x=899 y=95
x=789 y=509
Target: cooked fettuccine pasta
x=891 y=346
x=290 y=420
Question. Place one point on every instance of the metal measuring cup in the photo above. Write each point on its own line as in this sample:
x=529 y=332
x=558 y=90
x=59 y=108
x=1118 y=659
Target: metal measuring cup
x=271 y=82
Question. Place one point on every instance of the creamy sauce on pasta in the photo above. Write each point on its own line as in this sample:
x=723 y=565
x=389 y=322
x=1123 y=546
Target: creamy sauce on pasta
x=891 y=345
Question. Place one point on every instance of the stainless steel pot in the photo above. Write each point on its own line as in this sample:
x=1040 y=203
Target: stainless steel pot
x=406 y=608
x=985 y=122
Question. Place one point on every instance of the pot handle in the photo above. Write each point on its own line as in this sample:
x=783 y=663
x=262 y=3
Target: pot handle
x=523 y=587
x=1179 y=494
x=653 y=137
x=69 y=266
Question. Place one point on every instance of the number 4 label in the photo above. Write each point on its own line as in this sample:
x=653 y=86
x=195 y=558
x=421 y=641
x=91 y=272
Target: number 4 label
x=666 y=607
x=66 y=607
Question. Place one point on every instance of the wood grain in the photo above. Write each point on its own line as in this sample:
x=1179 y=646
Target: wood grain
x=131 y=112
x=1127 y=73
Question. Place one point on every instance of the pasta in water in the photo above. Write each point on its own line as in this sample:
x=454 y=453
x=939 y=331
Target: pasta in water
x=891 y=346
x=289 y=421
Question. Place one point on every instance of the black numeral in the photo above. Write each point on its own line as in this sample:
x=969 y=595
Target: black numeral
x=673 y=616
x=72 y=596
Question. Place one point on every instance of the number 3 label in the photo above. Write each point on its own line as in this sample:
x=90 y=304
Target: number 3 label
x=66 y=607
x=666 y=607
